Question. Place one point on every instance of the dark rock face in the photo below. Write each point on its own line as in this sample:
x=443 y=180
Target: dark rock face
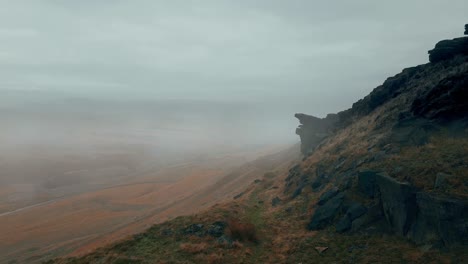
x=466 y=29
x=321 y=179
x=328 y=195
x=354 y=211
x=446 y=102
x=398 y=203
x=391 y=88
x=313 y=130
x=297 y=180
x=326 y=213
x=422 y=217
x=440 y=218
x=447 y=49
x=343 y=225
x=366 y=183
x=413 y=131
x=374 y=214
x=298 y=191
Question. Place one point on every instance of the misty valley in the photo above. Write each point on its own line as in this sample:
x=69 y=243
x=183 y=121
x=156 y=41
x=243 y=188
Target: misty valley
x=233 y=132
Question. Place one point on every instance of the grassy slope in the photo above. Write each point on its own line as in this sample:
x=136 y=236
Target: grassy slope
x=282 y=233
x=282 y=229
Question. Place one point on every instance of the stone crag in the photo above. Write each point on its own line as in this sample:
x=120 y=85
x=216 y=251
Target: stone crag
x=447 y=49
x=397 y=207
x=312 y=130
x=415 y=105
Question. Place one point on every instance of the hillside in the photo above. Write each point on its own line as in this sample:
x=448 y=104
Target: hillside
x=385 y=181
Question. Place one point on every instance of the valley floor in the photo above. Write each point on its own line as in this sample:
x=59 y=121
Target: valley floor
x=78 y=224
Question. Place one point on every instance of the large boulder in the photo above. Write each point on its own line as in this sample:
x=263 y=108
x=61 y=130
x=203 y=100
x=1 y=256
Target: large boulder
x=366 y=183
x=326 y=213
x=398 y=202
x=354 y=211
x=422 y=217
x=440 y=219
x=328 y=195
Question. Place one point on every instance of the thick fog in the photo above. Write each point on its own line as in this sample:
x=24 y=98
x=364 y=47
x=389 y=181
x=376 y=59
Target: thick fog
x=45 y=137
x=93 y=90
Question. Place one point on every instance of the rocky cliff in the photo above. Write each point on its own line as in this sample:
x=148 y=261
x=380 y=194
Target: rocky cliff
x=381 y=164
x=426 y=97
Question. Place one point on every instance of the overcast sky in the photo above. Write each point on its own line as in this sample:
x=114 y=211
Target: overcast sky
x=313 y=56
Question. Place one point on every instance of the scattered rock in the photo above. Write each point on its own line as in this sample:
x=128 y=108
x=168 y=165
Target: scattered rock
x=238 y=195
x=217 y=229
x=297 y=192
x=321 y=249
x=320 y=180
x=293 y=172
x=340 y=163
x=326 y=213
x=354 y=211
x=374 y=214
x=195 y=230
x=257 y=181
x=275 y=201
x=225 y=241
x=316 y=185
x=328 y=195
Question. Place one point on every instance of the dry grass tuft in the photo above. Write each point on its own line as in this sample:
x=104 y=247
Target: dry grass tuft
x=193 y=248
x=242 y=231
x=214 y=258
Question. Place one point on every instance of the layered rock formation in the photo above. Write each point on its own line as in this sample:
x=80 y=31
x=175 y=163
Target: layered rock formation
x=447 y=49
x=405 y=111
x=431 y=97
x=312 y=130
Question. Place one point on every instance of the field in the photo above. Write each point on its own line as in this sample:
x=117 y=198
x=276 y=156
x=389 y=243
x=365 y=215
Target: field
x=73 y=221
